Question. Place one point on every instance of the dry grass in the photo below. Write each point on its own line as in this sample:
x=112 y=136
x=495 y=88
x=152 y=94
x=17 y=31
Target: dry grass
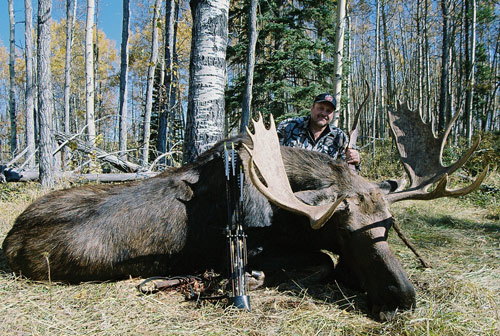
x=460 y=295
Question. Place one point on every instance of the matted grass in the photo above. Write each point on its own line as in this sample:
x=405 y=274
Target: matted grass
x=460 y=295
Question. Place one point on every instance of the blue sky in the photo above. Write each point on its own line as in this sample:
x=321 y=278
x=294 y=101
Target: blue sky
x=110 y=18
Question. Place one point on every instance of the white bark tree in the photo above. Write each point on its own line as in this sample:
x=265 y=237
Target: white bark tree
x=149 y=88
x=29 y=96
x=70 y=24
x=252 y=42
x=339 y=48
x=207 y=76
x=89 y=71
x=123 y=125
x=12 y=93
x=45 y=103
x=470 y=73
x=169 y=98
x=377 y=77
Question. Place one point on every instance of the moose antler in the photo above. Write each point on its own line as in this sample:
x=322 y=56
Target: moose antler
x=421 y=154
x=266 y=155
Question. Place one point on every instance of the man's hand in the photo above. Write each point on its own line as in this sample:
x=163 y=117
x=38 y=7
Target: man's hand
x=352 y=156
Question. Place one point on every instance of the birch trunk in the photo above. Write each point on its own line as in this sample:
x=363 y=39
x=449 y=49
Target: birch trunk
x=207 y=74
x=443 y=95
x=12 y=93
x=337 y=67
x=471 y=55
x=45 y=104
x=89 y=71
x=167 y=75
x=391 y=95
x=427 y=70
x=174 y=109
x=29 y=97
x=70 y=24
x=376 y=91
x=246 y=111
x=347 y=119
x=122 y=120
x=149 y=88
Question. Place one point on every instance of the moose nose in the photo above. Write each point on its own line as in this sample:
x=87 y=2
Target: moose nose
x=405 y=296
x=391 y=299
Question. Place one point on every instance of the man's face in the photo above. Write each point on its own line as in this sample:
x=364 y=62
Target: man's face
x=321 y=115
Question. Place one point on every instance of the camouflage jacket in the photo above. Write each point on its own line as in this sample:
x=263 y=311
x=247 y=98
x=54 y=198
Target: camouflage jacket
x=294 y=132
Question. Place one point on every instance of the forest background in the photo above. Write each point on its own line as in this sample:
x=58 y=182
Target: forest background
x=440 y=56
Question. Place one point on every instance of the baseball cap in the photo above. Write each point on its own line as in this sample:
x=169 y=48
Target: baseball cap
x=326 y=97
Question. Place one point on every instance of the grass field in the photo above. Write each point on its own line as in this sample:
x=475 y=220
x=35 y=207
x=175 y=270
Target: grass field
x=459 y=295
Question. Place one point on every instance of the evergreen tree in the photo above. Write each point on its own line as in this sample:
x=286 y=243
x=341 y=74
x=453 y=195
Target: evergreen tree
x=294 y=56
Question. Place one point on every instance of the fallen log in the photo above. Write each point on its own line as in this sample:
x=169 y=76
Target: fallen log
x=11 y=175
x=115 y=161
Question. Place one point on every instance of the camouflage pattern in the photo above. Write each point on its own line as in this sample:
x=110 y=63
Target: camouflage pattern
x=294 y=132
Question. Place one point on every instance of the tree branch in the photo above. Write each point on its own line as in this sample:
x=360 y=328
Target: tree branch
x=122 y=165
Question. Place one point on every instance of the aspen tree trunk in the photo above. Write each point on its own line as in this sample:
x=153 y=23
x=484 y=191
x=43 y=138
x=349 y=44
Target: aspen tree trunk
x=89 y=71
x=70 y=24
x=12 y=93
x=337 y=67
x=427 y=64
x=207 y=76
x=443 y=95
x=347 y=119
x=168 y=76
x=420 y=59
x=123 y=115
x=97 y=82
x=45 y=103
x=471 y=55
x=390 y=88
x=376 y=91
x=29 y=97
x=149 y=88
x=175 y=109
x=492 y=99
x=246 y=110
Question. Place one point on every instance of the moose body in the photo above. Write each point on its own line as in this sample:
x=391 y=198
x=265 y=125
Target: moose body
x=175 y=223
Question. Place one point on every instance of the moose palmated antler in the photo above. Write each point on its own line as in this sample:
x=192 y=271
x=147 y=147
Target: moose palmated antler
x=421 y=154
x=266 y=155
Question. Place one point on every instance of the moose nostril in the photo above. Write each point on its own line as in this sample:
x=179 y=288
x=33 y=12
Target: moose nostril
x=405 y=295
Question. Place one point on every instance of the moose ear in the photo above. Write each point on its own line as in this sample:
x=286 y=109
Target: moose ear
x=190 y=177
x=391 y=185
x=184 y=190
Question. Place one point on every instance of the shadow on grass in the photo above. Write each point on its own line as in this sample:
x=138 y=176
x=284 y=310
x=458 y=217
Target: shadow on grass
x=450 y=222
x=325 y=290
x=315 y=280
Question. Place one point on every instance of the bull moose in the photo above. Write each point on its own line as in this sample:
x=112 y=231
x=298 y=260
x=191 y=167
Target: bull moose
x=295 y=201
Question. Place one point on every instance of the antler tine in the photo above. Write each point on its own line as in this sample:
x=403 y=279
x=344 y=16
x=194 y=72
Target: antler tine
x=421 y=154
x=439 y=191
x=266 y=155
